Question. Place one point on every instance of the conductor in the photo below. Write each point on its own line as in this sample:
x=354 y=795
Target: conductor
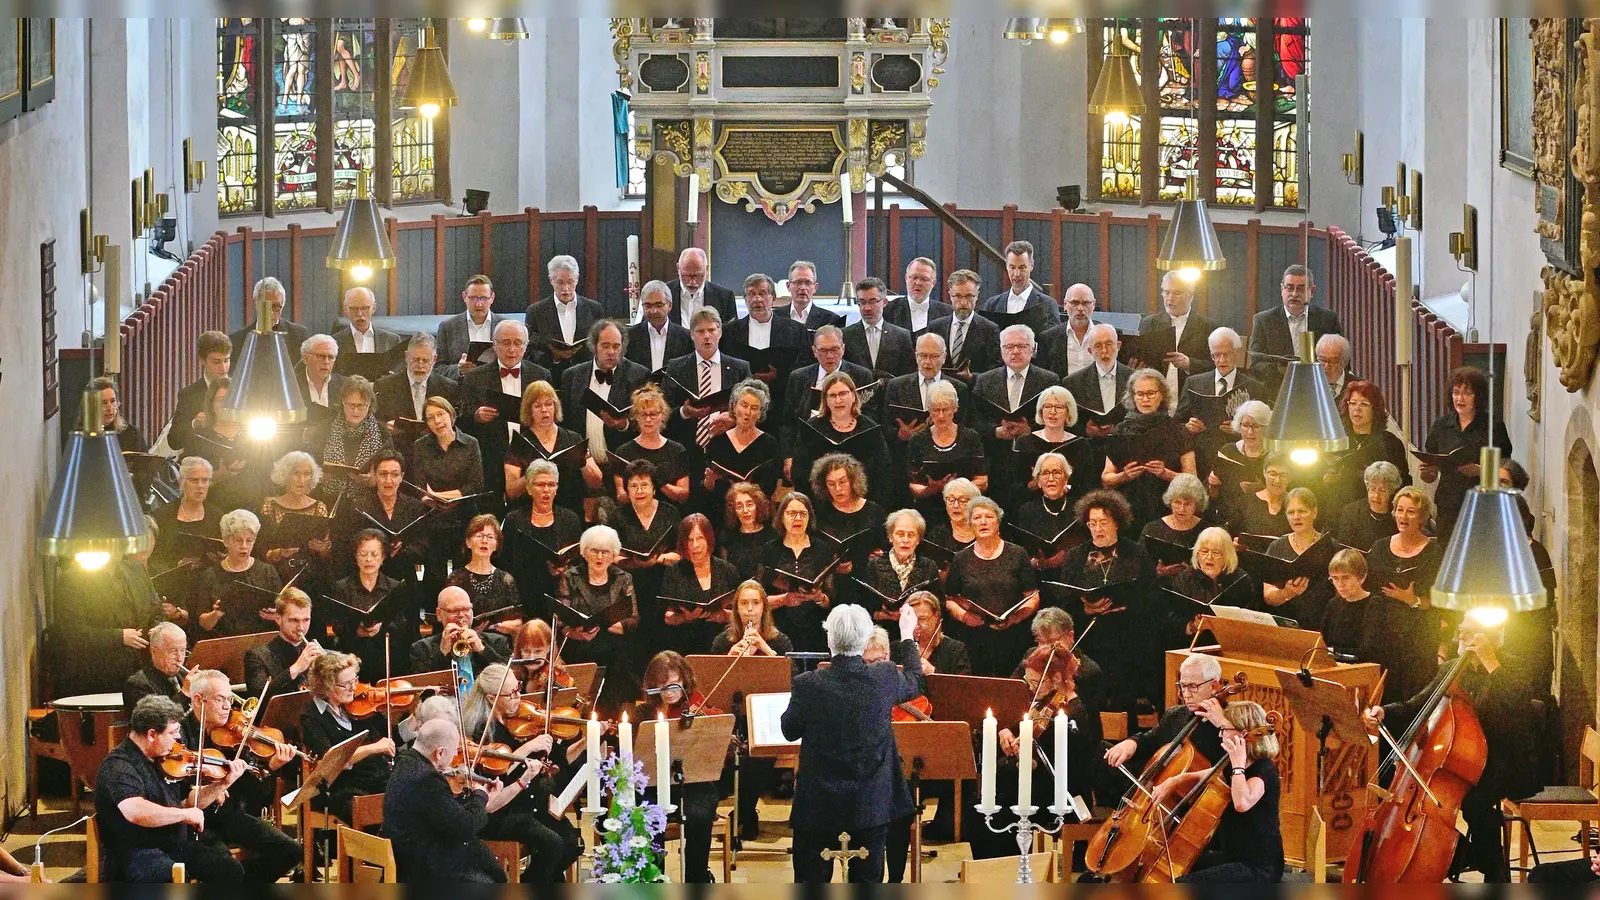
x=849 y=779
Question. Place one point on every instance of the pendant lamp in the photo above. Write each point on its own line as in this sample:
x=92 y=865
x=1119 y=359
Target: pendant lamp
x=1488 y=565
x=1058 y=30
x=1305 y=423
x=1190 y=245
x=360 y=244
x=93 y=514
x=265 y=392
x=507 y=30
x=1024 y=29
x=1116 y=92
x=429 y=88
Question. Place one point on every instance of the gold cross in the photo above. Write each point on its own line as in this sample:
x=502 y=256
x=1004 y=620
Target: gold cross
x=844 y=854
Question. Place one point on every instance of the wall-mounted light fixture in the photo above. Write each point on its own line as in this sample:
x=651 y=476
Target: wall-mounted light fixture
x=91 y=246
x=1354 y=163
x=194 y=170
x=1464 y=243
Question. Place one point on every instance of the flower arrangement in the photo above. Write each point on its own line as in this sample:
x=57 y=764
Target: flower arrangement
x=630 y=848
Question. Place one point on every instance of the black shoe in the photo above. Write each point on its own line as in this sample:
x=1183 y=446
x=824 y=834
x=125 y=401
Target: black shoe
x=750 y=830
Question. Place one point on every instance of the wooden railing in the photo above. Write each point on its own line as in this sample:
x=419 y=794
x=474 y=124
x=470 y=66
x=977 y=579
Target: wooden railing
x=158 y=338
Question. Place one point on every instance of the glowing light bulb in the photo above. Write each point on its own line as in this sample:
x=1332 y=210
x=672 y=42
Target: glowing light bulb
x=361 y=272
x=1059 y=35
x=477 y=24
x=1303 y=456
x=1116 y=117
x=92 y=560
x=1489 y=616
x=1189 y=274
x=262 y=428
x=428 y=110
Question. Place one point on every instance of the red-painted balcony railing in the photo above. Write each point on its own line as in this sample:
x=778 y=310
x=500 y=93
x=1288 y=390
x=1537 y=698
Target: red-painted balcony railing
x=158 y=338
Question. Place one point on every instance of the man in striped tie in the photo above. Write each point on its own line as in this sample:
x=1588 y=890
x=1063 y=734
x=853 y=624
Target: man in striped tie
x=704 y=373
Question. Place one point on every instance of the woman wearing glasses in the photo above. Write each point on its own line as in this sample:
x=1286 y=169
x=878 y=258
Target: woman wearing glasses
x=1149 y=447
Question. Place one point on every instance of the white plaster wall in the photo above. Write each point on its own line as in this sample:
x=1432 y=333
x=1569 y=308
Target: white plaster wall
x=485 y=124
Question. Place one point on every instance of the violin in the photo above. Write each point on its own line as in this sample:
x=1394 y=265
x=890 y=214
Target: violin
x=537 y=672
x=529 y=721
x=1116 y=849
x=181 y=764
x=260 y=740
x=693 y=705
x=396 y=693
x=493 y=759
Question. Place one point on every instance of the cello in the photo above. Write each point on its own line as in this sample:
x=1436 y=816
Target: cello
x=1410 y=836
x=1121 y=840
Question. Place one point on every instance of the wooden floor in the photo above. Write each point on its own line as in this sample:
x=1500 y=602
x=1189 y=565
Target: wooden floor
x=765 y=861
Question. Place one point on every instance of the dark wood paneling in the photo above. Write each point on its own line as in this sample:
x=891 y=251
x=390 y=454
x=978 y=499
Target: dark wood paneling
x=612 y=271
x=1129 y=268
x=510 y=247
x=1037 y=232
x=320 y=286
x=1080 y=252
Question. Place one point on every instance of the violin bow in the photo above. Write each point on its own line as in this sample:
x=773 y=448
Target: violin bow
x=250 y=721
x=729 y=671
x=388 y=702
x=550 y=670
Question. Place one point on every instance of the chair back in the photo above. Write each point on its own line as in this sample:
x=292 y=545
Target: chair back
x=366 y=811
x=1114 y=726
x=1589 y=759
x=1003 y=869
x=365 y=858
x=91 y=852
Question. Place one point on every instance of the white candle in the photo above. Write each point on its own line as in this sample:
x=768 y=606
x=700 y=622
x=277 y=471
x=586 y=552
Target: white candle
x=986 y=796
x=1062 y=725
x=846 y=199
x=694 y=198
x=625 y=750
x=663 y=763
x=633 y=260
x=593 y=744
x=1025 y=763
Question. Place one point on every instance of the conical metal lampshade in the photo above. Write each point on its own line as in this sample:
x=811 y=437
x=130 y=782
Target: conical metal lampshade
x=93 y=513
x=1058 y=29
x=1489 y=562
x=1305 y=420
x=1116 y=91
x=360 y=241
x=1191 y=240
x=264 y=385
x=1024 y=29
x=507 y=30
x=429 y=86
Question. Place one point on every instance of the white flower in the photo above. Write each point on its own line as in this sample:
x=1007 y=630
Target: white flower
x=611 y=878
x=638 y=841
x=611 y=824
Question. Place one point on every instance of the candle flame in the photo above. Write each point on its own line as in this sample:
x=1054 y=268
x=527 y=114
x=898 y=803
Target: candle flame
x=988 y=713
x=624 y=718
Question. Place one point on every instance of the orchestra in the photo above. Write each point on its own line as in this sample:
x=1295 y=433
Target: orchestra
x=590 y=524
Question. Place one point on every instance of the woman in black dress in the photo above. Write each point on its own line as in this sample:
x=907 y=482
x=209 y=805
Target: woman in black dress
x=1236 y=469
x=743 y=453
x=129 y=440
x=1366 y=421
x=901 y=571
x=698 y=578
x=186 y=535
x=1302 y=599
x=1186 y=501
x=993 y=574
x=368 y=589
x=240 y=464
x=352 y=440
x=797 y=608
x=944 y=450
x=448 y=462
x=1057 y=412
x=326 y=722
x=496 y=603
x=953 y=532
x=1264 y=513
x=1148 y=449
x=649 y=413
x=594 y=587
x=390 y=511
x=1212 y=576
x=745 y=532
x=1344 y=622
x=1403 y=567
x=1364 y=522
x=1123 y=635
x=542 y=438
x=1467 y=426
x=1048 y=514
x=296 y=530
x=645 y=527
x=840 y=429
x=846 y=517
x=235 y=596
x=537 y=540
x=1248 y=840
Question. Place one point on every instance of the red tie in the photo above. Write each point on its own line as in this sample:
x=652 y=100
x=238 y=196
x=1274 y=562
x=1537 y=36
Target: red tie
x=510 y=373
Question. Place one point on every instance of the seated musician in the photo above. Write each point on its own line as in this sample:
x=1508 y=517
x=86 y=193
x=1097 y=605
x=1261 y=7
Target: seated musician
x=434 y=830
x=327 y=721
x=161 y=675
x=940 y=652
x=1499 y=689
x=1570 y=871
x=849 y=778
x=454 y=612
x=751 y=630
x=902 y=568
x=234 y=596
x=1248 y=845
x=668 y=688
x=146 y=820
x=369 y=588
x=1199 y=687
x=1053 y=626
x=236 y=819
x=551 y=844
x=531 y=652
x=279 y=666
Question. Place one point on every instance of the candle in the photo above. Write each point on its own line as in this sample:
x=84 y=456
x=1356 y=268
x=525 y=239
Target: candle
x=593 y=744
x=625 y=750
x=663 y=762
x=633 y=260
x=1025 y=763
x=1063 y=725
x=694 y=198
x=986 y=798
x=846 y=199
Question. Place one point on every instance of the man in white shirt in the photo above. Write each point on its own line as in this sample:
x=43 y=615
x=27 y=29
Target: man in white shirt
x=1023 y=293
x=1333 y=355
x=802 y=288
x=1174 y=341
x=917 y=309
x=691 y=292
x=320 y=385
x=873 y=343
x=656 y=338
x=1065 y=345
x=475 y=324
x=1099 y=386
x=1224 y=379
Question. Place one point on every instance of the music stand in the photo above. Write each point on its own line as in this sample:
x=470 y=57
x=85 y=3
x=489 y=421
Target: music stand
x=283 y=713
x=967 y=697
x=1274 y=645
x=1324 y=707
x=699 y=751
x=754 y=675
x=763 y=712
x=227 y=654
x=936 y=751
x=583 y=676
x=324 y=772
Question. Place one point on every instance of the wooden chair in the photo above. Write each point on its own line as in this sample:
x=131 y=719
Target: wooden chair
x=510 y=855
x=41 y=749
x=1114 y=726
x=1003 y=869
x=1074 y=831
x=1562 y=803
x=91 y=852
x=364 y=858
x=84 y=757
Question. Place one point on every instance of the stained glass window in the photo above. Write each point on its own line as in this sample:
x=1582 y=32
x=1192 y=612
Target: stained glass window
x=281 y=81
x=1231 y=139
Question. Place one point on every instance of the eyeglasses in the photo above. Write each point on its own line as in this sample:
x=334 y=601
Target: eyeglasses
x=1146 y=395
x=347 y=685
x=1185 y=688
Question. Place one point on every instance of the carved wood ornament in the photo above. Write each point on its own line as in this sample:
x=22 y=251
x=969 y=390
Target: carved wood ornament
x=1571 y=305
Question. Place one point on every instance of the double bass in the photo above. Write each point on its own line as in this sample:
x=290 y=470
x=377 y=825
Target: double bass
x=1410 y=836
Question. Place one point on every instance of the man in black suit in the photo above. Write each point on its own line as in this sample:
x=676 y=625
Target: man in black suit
x=1224 y=378
x=434 y=831
x=1333 y=356
x=973 y=342
x=403 y=393
x=762 y=331
x=476 y=323
x=1013 y=387
x=454 y=612
x=319 y=384
x=1065 y=345
x=1175 y=341
x=849 y=777
x=656 y=338
x=917 y=309
x=216 y=358
x=1024 y=294
x=359 y=336
x=480 y=389
x=272 y=289
x=609 y=375
x=873 y=343
x=162 y=673
x=1275 y=333
x=1099 y=386
x=280 y=664
x=802 y=288
x=563 y=318
x=691 y=290
x=799 y=400
x=910 y=391
x=705 y=370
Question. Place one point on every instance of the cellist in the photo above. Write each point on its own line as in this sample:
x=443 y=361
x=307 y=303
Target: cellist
x=1501 y=696
x=1199 y=683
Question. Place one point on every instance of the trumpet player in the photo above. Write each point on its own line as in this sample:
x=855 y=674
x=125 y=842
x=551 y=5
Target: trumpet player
x=456 y=642
x=280 y=665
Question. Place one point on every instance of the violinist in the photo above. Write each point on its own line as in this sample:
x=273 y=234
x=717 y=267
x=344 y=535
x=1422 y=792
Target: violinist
x=1053 y=626
x=699 y=576
x=551 y=844
x=146 y=821
x=236 y=820
x=1499 y=690
x=669 y=689
x=435 y=831
x=326 y=722
x=532 y=648
x=1199 y=687
x=162 y=674
x=280 y=665
x=1247 y=847
x=454 y=612
x=940 y=652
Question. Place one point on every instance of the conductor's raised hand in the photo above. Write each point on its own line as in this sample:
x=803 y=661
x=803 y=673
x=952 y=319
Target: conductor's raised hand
x=908 y=622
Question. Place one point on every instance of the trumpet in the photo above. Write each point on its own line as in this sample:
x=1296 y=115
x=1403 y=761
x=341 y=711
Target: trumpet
x=461 y=644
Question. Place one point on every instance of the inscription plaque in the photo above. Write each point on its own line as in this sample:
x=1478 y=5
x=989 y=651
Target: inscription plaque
x=778 y=158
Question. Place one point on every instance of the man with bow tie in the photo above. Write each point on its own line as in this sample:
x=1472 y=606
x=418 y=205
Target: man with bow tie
x=481 y=390
x=610 y=376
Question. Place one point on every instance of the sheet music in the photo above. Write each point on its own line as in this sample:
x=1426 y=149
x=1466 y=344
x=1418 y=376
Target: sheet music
x=766 y=714
x=1245 y=615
